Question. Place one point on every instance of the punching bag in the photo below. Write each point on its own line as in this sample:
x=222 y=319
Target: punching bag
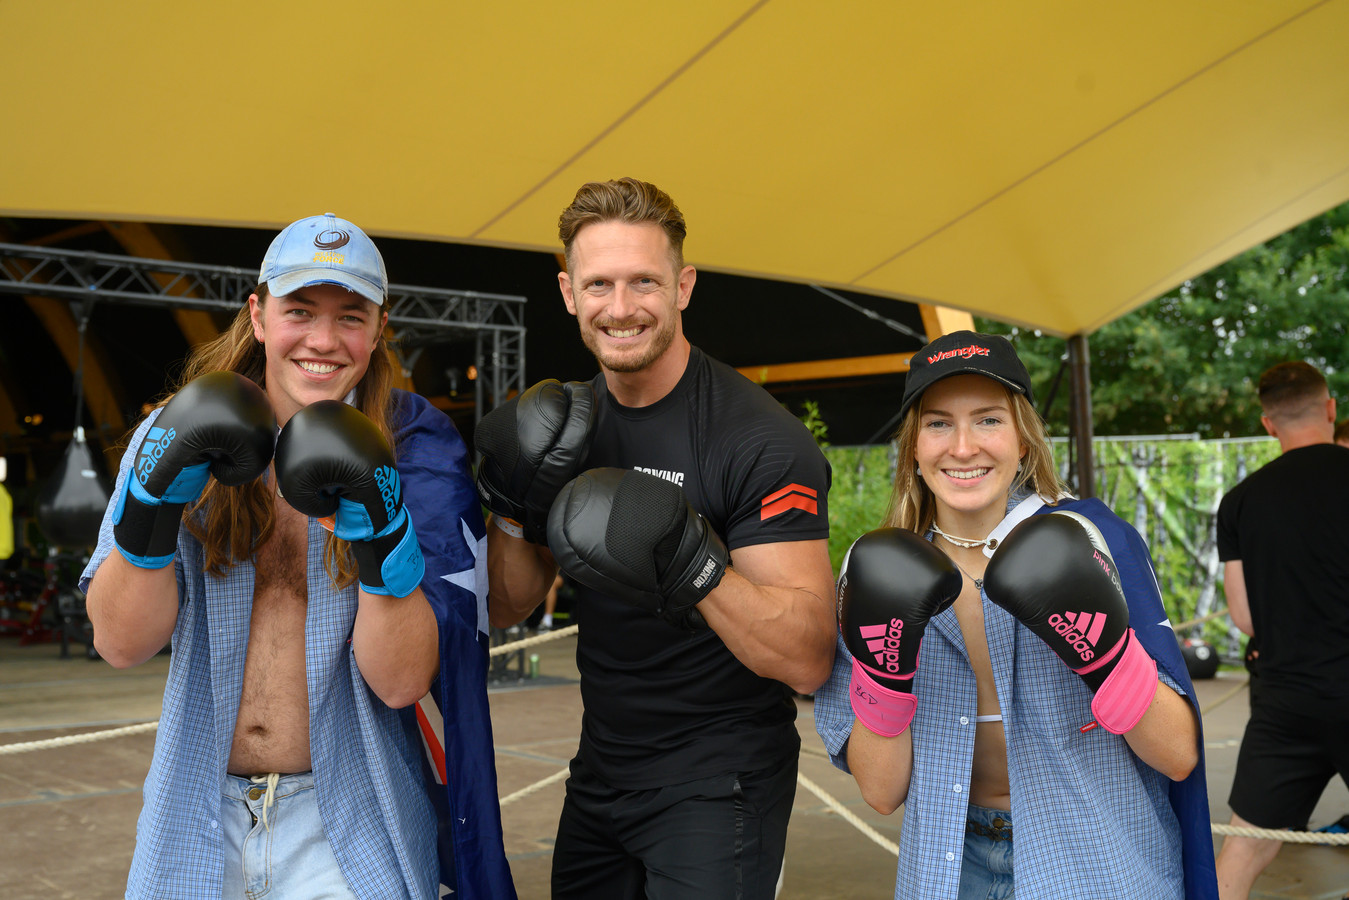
x=71 y=504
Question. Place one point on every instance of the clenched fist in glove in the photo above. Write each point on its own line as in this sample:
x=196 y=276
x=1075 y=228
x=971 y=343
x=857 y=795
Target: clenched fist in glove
x=635 y=537
x=221 y=425
x=1054 y=573
x=891 y=583
x=531 y=446
x=333 y=461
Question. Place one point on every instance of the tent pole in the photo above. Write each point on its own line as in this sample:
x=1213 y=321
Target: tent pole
x=1080 y=381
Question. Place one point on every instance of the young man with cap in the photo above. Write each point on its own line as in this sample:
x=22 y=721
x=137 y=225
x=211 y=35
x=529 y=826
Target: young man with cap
x=698 y=532
x=1048 y=697
x=311 y=604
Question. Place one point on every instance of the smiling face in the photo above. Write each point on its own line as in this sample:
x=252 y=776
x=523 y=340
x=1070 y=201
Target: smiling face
x=318 y=342
x=968 y=449
x=627 y=295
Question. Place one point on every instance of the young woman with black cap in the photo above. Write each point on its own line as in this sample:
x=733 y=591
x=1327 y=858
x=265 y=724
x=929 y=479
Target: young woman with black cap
x=1043 y=621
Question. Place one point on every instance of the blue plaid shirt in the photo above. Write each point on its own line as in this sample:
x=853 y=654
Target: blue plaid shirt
x=375 y=802
x=1091 y=818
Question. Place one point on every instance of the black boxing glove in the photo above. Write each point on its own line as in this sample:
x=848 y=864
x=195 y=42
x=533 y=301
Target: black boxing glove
x=531 y=446
x=221 y=425
x=635 y=537
x=331 y=460
x=890 y=584
x=1055 y=574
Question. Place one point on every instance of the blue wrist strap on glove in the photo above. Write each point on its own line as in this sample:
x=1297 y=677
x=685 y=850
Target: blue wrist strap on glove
x=390 y=562
x=145 y=527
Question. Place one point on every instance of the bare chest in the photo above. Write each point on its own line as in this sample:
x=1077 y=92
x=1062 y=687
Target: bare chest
x=272 y=730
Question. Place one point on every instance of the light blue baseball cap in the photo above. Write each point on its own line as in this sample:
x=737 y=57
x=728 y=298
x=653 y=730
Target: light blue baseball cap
x=324 y=250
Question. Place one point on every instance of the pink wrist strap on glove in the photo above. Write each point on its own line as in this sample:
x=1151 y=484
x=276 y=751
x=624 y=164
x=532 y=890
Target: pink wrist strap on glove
x=882 y=710
x=1127 y=692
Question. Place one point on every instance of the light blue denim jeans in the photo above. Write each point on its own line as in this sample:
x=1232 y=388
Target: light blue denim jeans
x=986 y=872
x=277 y=849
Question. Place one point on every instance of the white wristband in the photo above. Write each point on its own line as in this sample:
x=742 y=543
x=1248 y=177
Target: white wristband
x=509 y=527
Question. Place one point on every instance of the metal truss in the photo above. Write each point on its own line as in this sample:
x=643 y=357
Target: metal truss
x=419 y=316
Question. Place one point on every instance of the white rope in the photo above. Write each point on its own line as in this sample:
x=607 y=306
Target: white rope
x=848 y=815
x=30 y=746
x=544 y=638
x=536 y=786
x=1291 y=837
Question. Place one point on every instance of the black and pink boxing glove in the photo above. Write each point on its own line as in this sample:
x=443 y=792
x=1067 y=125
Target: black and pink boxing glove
x=1055 y=574
x=891 y=583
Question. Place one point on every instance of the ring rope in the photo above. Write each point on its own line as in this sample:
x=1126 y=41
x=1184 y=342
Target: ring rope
x=1296 y=837
x=544 y=638
x=1216 y=614
x=1280 y=834
x=536 y=786
x=848 y=815
x=88 y=737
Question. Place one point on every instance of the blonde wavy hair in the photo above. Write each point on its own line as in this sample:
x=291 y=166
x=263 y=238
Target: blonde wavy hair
x=232 y=522
x=912 y=503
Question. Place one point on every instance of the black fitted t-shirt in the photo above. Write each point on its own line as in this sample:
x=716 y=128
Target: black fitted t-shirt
x=665 y=706
x=1288 y=523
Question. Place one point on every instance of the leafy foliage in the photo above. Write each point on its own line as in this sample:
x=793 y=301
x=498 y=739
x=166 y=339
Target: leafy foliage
x=1187 y=362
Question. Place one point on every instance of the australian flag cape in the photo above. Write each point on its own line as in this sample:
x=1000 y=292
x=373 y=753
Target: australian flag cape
x=452 y=723
x=1148 y=618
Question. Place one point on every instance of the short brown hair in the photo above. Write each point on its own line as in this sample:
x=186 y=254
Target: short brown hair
x=1289 y=390
x=624 y=200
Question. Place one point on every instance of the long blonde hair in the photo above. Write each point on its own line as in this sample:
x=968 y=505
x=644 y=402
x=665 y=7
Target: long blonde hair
x=232 y=522
x=912 y=503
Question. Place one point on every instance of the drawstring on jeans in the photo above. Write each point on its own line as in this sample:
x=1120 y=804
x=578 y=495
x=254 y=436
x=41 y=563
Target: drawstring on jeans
x=270 y=779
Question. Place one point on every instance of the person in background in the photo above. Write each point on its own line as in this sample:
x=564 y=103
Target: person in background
x=1049 y=713
x=1284 y=543
x=311 y=603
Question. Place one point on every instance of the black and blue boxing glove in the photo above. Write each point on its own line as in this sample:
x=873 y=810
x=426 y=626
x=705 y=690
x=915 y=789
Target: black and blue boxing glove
x=331 y=460
x=220 y=425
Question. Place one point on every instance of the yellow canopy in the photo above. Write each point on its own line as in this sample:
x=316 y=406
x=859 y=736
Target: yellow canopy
x=1045 y=162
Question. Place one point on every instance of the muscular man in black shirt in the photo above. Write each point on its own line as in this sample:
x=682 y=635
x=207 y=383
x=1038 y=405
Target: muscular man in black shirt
x=698 y=530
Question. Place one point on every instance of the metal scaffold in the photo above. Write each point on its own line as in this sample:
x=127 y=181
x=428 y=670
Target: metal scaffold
x=420 y=316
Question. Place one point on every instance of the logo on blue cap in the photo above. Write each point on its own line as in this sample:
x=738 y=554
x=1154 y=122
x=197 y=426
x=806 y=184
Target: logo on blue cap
x=292 y=262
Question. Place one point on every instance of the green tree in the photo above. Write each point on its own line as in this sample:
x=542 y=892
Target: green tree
x=1187 y=362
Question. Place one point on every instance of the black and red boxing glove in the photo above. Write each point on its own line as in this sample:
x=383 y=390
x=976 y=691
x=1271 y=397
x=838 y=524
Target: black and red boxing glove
x=635 y=537
x=531 y=446
x=331 y=460
x=891 y=583
x=1055 y=574
x=219 y=425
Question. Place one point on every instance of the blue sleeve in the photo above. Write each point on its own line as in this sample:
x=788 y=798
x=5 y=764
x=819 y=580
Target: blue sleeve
x=440 y=497
x=833 y=708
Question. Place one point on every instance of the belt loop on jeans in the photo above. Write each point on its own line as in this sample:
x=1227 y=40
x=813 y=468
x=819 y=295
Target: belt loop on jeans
x=1001 y=829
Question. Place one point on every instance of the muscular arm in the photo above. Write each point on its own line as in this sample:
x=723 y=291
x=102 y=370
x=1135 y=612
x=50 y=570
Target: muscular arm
x=133 y=610
x=518 y=576
x=882 y=767
x=1238 y=606
x=774 y=610
x=395 y=640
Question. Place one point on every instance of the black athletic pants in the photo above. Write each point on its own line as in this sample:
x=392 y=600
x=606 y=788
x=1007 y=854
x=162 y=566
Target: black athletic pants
x=718 y=837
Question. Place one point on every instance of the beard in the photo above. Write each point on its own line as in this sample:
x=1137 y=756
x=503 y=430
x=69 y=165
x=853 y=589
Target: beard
x=635 y=359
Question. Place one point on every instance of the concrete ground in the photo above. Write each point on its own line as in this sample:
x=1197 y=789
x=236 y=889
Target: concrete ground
x=68 y=814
